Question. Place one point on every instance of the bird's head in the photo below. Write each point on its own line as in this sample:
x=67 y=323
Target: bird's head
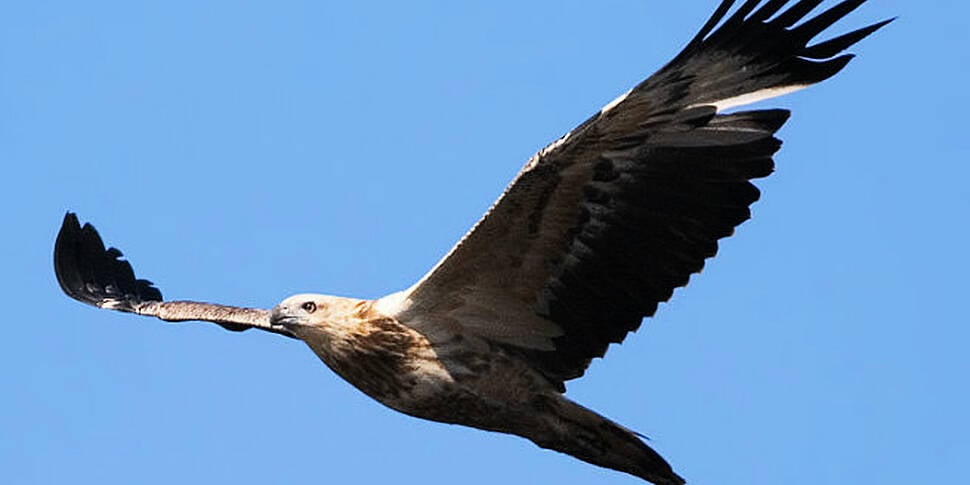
x=304 y=310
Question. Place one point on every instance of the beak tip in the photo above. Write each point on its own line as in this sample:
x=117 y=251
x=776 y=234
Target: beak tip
x=276 y=316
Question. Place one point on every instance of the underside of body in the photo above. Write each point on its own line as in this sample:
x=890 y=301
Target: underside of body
x=458 y=382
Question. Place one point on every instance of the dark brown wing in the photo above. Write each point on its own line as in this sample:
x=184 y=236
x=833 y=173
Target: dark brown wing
x=91 y=274
x=605 y=223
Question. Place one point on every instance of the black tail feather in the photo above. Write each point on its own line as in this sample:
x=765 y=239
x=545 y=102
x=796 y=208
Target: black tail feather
x=570 y=428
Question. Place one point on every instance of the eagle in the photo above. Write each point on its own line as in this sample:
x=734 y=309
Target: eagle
x=595 y=231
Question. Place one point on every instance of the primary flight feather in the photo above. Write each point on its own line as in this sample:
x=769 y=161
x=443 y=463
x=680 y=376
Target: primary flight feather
x=596 y=230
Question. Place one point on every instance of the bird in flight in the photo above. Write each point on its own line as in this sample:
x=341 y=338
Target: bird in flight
x=593 y=233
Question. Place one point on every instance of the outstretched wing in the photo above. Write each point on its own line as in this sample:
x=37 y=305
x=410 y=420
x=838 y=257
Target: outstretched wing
x=602 y=225
x=91 y=274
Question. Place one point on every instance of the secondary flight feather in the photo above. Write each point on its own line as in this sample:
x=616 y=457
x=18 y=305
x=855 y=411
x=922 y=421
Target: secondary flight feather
x=596 y=230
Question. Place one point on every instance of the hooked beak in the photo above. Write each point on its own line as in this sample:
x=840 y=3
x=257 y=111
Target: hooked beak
x=280 y=315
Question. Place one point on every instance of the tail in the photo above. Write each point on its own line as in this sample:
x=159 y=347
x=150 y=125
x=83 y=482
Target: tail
x=757 y=53
x=567 y=427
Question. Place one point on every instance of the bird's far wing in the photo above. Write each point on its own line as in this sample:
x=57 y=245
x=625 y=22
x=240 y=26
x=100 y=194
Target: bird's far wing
x=602 y=225
x=89 y=273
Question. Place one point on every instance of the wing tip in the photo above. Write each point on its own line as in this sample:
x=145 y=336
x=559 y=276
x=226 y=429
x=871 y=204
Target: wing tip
x=758 y=50
x=92 y=274
x=832 y=47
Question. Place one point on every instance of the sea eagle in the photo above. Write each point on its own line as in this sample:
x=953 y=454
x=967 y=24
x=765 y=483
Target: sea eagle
x=593 y=233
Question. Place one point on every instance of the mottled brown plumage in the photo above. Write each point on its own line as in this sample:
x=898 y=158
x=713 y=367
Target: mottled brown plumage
x=474 y=384
x=595 y=231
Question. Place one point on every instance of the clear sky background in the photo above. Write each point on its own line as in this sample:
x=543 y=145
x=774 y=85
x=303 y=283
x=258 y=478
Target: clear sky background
x=240 y=152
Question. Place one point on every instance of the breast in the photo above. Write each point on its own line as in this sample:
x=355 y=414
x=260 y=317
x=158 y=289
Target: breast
x=389 y=362
x=457 y=380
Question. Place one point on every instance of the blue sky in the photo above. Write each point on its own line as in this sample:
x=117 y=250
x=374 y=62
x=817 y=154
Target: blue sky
x=240 y=152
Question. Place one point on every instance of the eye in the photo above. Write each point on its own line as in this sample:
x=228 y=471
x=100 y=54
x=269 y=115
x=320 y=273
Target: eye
x=309 y=307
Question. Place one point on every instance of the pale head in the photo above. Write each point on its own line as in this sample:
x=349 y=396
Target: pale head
x=313 y=310
x=302 y=310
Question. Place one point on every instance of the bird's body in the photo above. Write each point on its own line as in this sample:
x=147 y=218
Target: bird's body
x=478 y=384
x=595 y=231
x=387 y=360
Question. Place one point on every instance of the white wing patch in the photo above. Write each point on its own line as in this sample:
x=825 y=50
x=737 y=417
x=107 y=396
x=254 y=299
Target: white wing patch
x=394 y=304
x=618 y=100
x=754 y=97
